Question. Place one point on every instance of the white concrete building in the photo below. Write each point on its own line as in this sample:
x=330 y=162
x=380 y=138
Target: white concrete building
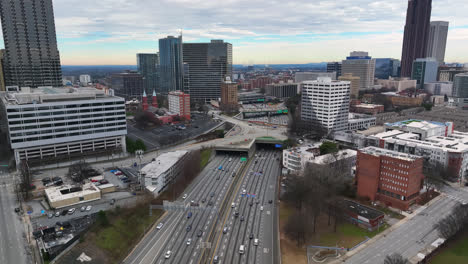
x=360 y=64
x=360 y=121
x=326 y=102
x=85 y=79
x=399 y=84
x=422 y=128
x=160 y=173
x=295 y=160
x=52 y=123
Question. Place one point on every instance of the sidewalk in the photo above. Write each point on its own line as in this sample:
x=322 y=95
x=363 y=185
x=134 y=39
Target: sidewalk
x=407 y=218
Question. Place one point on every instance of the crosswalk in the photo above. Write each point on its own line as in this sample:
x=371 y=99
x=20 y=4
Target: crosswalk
x=458 y=199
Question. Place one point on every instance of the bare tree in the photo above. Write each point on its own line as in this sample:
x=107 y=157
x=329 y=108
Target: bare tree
x=79 y=171
x=395 y=258
x=453 y=223
x=434 y=174
x=25 y=184
x=296 y=227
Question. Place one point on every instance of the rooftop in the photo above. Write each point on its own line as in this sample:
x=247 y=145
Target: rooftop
x=416 y=123
x=369 y=106
x=27 y=95
x=329 y=158
x=59 y=193
x=361 y=210
x=389 y=153
x=162 y=163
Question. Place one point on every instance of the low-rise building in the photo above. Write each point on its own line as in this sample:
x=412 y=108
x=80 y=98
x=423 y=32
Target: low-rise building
x=63 y=196
x=405 y=101
x=360 y=121
x=398 y=84
x=389 y=176
x=163 y=171
x=312 y=76
x=251 y=98
x=295 y=160
x=361 y=215
x=422 y=128
x=371 y=109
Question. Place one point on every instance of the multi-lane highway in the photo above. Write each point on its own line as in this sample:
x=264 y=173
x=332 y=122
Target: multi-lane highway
x=209 y=191
x=251 y=222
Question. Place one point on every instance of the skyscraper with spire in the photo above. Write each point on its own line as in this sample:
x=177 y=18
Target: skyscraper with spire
x=418 y=17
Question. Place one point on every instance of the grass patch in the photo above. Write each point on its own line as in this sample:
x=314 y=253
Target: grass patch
x=455 y=253
x=126 y=228
x=285 y=212
x=205 y=157
x=348 y=235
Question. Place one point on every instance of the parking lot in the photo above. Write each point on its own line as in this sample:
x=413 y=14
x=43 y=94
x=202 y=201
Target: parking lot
x=169 y=134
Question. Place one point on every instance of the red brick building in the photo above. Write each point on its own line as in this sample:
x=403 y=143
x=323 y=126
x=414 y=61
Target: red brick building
x=371 y=109
x=391 y=177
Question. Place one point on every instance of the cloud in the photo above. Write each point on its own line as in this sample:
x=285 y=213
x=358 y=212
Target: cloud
x=287 y=23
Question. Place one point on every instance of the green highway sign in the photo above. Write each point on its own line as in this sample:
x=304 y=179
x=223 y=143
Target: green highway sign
x=243 y=159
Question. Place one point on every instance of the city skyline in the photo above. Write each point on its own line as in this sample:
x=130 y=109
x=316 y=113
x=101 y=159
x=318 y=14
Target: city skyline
x=262 y=32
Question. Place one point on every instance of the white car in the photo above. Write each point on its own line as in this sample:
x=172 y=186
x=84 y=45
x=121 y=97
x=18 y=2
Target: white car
x=168 y=254
x=71 y=210
x=261 y=208
x=189 y=241
x=244 y=191
x=184 y=197
x=256 y=242
x=230 y=159
x=233 y=205
x=159 y=226
x=88 y=208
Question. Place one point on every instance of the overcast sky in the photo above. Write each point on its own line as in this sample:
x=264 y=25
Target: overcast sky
x=262 y=32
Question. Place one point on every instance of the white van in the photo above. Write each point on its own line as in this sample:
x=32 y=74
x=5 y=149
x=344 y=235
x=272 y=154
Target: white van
x=241 y=249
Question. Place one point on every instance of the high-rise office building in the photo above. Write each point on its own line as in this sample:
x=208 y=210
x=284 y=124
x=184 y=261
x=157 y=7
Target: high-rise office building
x=424 y=71
x=386 y=67
x=171 y=66
x=437 y=40
x=334 y=67
x=460 y=85
x=360 y=64
x=31 y=55
x=148 y=64
x=447 y=74
x=326 y=103
x=208 y=65
x=128 y=85
x=416 y=34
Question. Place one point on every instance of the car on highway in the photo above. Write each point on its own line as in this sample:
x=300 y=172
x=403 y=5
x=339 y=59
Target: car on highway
x=242 y=218
x=236 y=214
x=216 y=259
x=203 y=200
x=261 y=208
x=233 y=205
x=230 y=159
x=233 y=174
x=251 y=236
x=270 y=201
x=193 y=203
x=200 y=233
x=88 y=208
x=212 y=194
x=217 y=178
x=159 y=226
x=250 y=203
x=210 y=203
x=256 y=242
x=257 y=201
x=168 y=254
x=244 y=191
x=185 y=196
x=189 y=227
x=189 y=241
x=241 y=249
x=189 y=214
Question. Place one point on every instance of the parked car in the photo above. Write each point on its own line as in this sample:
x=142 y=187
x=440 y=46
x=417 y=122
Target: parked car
x=88 y=208
x=71 y=210
x=103 y=181
x=64 y=212
x=50 y=215
x=57 y=214
x=83 y=208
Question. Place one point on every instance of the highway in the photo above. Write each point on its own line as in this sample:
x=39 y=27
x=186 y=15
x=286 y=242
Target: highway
x=12 y=234
x=173 y=235
x=260 y=184
x=415 y=234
